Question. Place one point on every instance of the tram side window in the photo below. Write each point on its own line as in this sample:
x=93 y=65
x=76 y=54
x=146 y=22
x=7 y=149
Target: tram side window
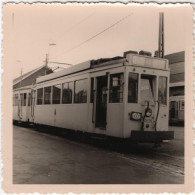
x=47 y=95
x=15 y=101
x=181 y=104
x=133 y=88
x=92 y=91
x=80 y=91
x=67 y=92
x=162 y=90
x=24 y=101
x=39 y=96
x=56 y=94
x=116 y=88
x=29 y=99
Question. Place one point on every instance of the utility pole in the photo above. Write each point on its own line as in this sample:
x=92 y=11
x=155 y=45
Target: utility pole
x=46 y=60
x=47 y=57
x=161 y=36
x=19 y=98
x=21 y=78
x=46 y=64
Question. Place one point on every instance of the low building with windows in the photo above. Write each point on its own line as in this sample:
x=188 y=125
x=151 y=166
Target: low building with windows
x=177 y=86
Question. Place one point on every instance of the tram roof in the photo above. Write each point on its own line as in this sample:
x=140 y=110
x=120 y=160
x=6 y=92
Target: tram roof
x=81 y=67
x=23 y=88
x=129 y=59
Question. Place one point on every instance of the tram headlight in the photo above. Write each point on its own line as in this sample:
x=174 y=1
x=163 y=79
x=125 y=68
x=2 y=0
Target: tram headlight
x=148 y=112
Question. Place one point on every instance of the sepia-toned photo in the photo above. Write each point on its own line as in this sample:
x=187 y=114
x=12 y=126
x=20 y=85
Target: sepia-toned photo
x=97 y=94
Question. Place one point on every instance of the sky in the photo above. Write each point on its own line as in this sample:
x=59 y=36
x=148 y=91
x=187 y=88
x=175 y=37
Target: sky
x=82 y=32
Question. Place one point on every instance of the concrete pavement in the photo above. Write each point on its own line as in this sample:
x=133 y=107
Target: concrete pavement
x=44 y=159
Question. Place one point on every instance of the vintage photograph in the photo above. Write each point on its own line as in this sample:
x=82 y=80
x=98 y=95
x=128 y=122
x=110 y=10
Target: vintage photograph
x=98 y=92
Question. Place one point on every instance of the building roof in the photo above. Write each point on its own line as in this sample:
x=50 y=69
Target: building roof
x=176 y=57
x=81 y=67
x=18 y=79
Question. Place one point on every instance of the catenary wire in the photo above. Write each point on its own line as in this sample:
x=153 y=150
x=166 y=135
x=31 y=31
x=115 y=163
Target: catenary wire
x=96 y=35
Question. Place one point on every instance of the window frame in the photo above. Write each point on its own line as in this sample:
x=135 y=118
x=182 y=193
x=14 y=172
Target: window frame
x=44 y=100
x=121 y=85
x=163 y=104
x=84 y=79
x=137 y=88
x=38 y=94
x=180 y=104
x=60 y=100
x=92 y=88
x=72 y=92
x=152 y=84
x=29 y=99
x=15 y=103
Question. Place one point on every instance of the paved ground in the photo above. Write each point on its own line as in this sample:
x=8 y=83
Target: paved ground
x=45 y=159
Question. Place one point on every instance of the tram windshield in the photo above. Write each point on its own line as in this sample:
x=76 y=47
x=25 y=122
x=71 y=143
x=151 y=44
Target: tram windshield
x=147 y=88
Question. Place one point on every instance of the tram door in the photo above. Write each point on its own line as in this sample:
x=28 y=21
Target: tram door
x=20 y=101
x=33 y=102
x=101 y=102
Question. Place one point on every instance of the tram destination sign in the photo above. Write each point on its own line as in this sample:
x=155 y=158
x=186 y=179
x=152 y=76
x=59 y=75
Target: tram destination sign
x=147 y=61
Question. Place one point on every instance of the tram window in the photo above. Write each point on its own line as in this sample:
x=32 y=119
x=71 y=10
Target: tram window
x=181 y=104
x=16 y=100
x=24 y=100
x=39 y=96
x=80 y=91
x=162 y=90
x=21 y=99
x=116 y=88
x=92 y=91
x=133 y=88
x=47 y=95
x=56 y=94
x=147 y=88
x=29 y=98
x=67 y=91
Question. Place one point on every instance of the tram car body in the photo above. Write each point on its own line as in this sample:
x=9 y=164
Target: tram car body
x=176 y=110
x=21 y=104
x=124 y=97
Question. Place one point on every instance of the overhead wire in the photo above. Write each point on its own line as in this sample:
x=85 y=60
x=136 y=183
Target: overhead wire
x=77 y=24
x=96 y=35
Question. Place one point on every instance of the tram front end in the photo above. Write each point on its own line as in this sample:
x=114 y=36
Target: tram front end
x=148 y=99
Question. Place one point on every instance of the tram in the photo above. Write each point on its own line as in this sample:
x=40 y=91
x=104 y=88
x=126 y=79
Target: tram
x=176 y=110
x=21 y=103
x=123 y=97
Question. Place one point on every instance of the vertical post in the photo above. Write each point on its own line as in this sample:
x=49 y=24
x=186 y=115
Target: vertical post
x=161 y=36
x=21 y=78
x=46 y=64
x=46 y=61
x=20 y=111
